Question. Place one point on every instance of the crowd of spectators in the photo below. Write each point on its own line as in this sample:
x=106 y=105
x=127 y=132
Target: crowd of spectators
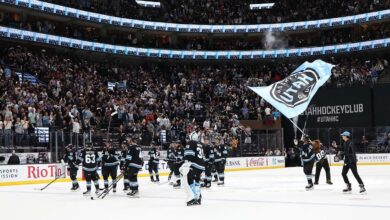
x=228 y=12
x=72 y=94
x=267 y=41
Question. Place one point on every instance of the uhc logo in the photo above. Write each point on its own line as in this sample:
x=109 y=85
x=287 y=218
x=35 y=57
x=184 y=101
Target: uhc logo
x=295 y=89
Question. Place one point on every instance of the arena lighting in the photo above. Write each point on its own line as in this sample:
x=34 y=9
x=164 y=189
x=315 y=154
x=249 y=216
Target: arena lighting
x=197 y=28
x=148 y=4
x=17 y=34
x=261 y=6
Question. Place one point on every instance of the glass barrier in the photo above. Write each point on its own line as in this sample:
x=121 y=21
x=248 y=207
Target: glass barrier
x=12 y=33
x=44 y=146
x=197 y=28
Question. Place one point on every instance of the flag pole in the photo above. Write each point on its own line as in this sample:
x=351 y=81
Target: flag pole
x=303 y=133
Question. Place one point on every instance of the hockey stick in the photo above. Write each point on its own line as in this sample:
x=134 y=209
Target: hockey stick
x=52 y=181
x=105 y=193
x=110 y=187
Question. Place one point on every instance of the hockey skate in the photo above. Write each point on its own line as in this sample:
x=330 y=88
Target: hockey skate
x=133 y=194
x=97 y=191
x=113 y=190
x=152 y=179
x=315 y=183
x=329 y=182
x=126 y=189
x=362 y=189
x=75 y=188
x=87 y=193
x=193 y=202
x=310 y=186
x=222 y=183
x=348 y=190
x=177 y=185
x=200 y=199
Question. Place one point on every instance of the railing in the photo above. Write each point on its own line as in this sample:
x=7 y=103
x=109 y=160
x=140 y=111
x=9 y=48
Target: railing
x=261 y=143
x=12 y=33
x=366 y=140
x=197 y=28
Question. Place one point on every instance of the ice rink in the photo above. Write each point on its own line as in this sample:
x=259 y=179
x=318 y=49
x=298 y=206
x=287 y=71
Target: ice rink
x=271 y=194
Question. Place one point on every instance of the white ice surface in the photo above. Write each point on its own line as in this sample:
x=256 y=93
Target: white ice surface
x=263 y=194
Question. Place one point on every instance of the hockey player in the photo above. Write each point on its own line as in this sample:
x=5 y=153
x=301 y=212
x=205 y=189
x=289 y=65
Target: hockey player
x=110 y=163
x=220 y=154
x=133 y=163
x=154 y=161
x=90 y=160
x=347 y=151
x=322 y=162
x=208 y=160
x=70 y=158
x=192 y=169
x=126 y=185
x=179 y=153
x=307 y=157
x=171 y=158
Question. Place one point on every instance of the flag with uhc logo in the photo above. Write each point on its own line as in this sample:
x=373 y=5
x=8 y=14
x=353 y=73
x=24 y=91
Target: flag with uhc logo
x=292 y=95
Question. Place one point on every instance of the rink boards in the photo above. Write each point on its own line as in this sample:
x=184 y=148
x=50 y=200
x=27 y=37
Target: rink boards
x=45 y=173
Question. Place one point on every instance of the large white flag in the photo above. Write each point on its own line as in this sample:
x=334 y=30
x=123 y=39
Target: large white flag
x=292 y=95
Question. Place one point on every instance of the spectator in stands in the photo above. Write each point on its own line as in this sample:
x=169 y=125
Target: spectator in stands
x=7 y=131
x=269 y=152
x=13 y=159
x=277 y=152
x=18 y=132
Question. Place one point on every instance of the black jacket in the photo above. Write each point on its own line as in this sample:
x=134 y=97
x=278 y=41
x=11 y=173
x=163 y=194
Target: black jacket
x=348 y=151
x=13 y=159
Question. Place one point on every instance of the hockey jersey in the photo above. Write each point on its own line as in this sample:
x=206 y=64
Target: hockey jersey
x=89 y=159
x=194 y=153
x=171 y=155
x=134 y=157
x=110 y=158
x=71 y=159
x=220 y=153
x=154 y=156
x=179 y=155
x=320 y=155
x=208 y=154
x=307 y=154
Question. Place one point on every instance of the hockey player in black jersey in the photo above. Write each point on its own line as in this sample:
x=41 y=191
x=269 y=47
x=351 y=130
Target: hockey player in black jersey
x=208 y=160
x=179 y=152
x=154 y=161
x=126 y=185
x=171 y=158
x=133 y=163
x=322 y=162
x=90 y=160
x=308 y=160
x=220 y=155
x=70 y=158
x=110 y=163
x=192 y=170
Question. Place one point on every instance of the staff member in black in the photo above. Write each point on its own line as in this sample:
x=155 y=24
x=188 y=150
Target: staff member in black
x=347 y=152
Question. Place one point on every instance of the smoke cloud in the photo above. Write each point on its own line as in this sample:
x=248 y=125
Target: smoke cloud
x=274 y=40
